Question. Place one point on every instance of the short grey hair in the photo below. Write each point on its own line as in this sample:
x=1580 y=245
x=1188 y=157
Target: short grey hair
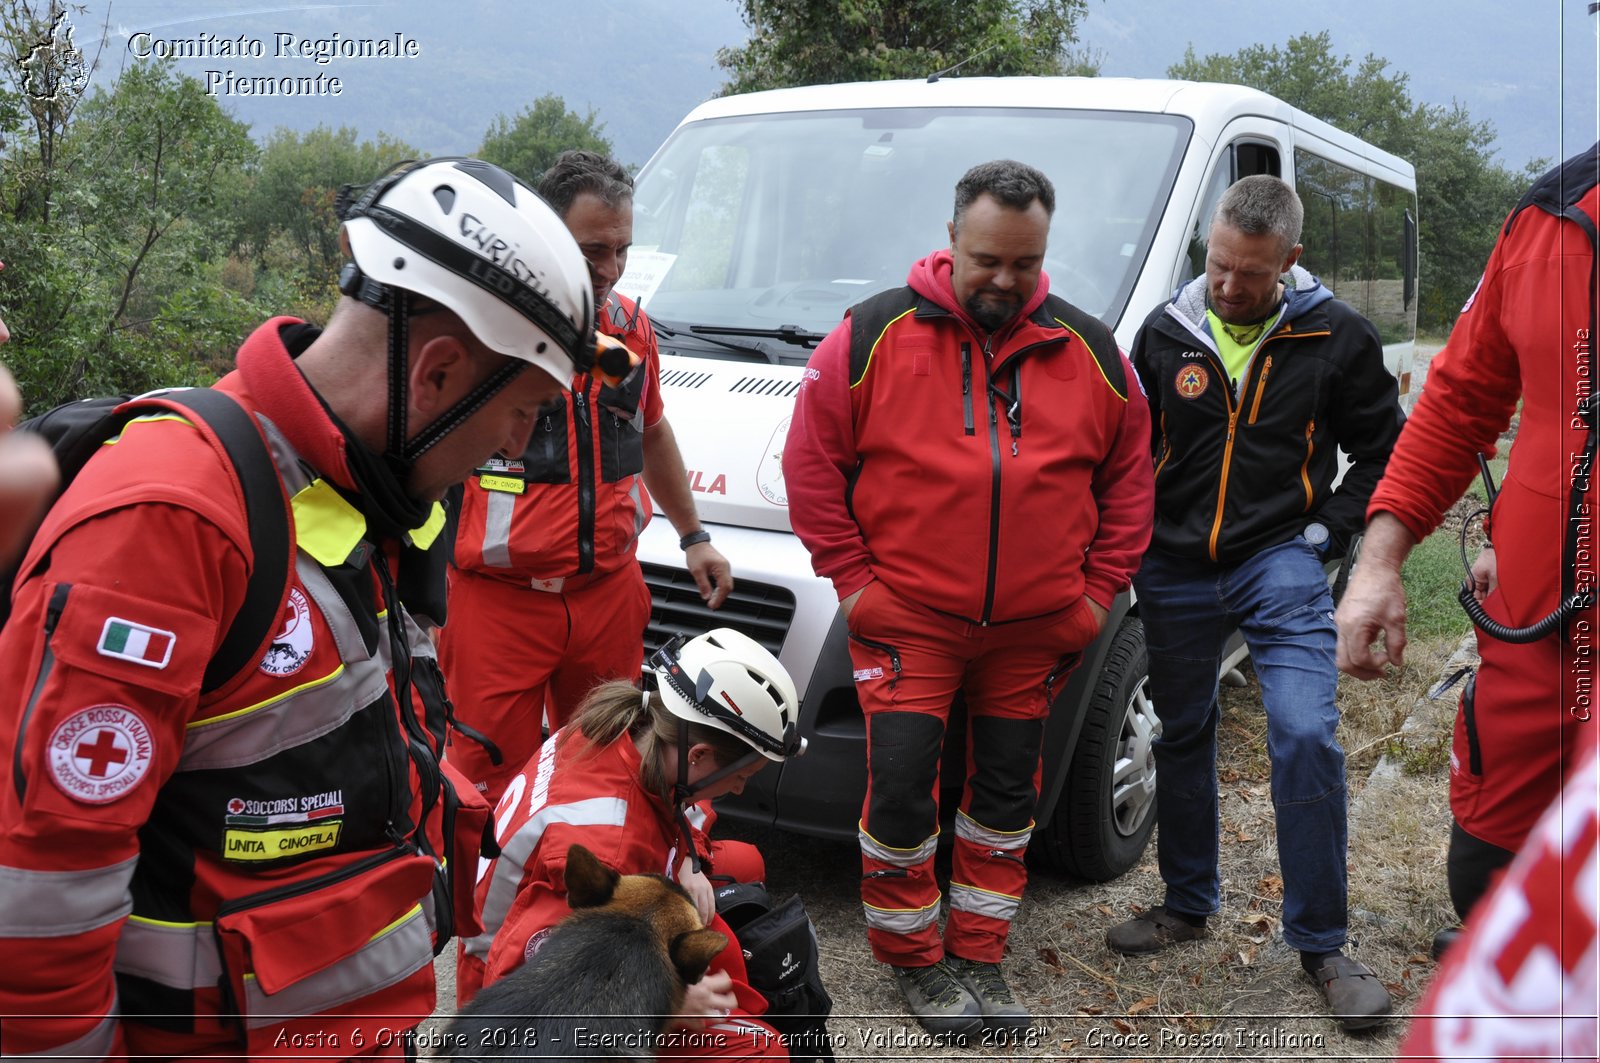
x=1015 y=184
x=1261 y=204
x=575 y=173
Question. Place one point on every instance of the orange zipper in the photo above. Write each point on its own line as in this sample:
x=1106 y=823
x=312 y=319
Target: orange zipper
x=1305 y=466
x=1222 y=483
x=1166 y=445
x=1261 y=389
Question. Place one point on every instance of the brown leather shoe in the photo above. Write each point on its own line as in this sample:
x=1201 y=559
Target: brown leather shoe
x=1153 y=931
x=1356 y=998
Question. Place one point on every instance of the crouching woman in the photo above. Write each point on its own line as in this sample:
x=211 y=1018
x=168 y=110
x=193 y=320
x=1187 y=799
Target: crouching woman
x=631 y=779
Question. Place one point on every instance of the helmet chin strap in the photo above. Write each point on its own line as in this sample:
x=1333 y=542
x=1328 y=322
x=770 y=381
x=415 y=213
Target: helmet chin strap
x=399 y=306
x=684 y=795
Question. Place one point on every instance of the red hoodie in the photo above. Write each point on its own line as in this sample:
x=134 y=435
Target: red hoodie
x=992 y=477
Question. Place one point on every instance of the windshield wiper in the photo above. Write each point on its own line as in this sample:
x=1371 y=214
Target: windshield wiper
x=742 y=348
x=787 y=333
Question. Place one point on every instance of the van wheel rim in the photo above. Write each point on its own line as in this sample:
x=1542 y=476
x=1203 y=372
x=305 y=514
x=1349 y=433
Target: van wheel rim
x=1133 y=775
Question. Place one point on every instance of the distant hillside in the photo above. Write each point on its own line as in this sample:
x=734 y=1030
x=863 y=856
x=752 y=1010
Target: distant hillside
x=1527 y=68
x=640 y=64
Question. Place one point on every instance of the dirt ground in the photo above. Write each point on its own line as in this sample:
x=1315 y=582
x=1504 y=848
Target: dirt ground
x=1239 y=994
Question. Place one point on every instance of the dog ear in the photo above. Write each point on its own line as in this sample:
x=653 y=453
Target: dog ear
x=590 y=883
x=693 y=952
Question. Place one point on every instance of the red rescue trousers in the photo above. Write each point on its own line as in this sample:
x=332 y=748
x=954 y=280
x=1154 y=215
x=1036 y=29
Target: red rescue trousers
x=910 y=662
x=513 y=655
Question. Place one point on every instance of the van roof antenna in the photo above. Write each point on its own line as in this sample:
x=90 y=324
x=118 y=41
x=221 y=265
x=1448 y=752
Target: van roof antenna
x=951 y=70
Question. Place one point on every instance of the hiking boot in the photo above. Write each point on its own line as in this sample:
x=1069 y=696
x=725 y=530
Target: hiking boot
x=938 y=1000
x=1151 y=932
x=1000 y=1009
x=1443 y=940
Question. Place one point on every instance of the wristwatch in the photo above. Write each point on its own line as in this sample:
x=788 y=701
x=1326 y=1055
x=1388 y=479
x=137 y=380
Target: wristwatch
x=694 y=538
x=1316 y=533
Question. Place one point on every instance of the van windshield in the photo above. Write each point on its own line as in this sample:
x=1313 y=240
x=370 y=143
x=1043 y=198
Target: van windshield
x=762 y=230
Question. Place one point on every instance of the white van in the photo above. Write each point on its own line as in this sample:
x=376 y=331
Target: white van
x=764 y=217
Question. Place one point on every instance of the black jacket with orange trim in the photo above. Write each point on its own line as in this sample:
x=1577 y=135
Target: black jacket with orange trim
x=1247 y=466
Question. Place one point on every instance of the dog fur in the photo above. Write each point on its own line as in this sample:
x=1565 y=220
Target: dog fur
x=606 y=982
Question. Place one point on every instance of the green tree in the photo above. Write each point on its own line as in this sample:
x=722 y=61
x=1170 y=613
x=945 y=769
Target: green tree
x=807 y=42
x=527 y=144
x=287 y=217
x=113 y=240
x=1462 y=193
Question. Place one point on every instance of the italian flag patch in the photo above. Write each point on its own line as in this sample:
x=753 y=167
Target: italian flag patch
x=149 y=646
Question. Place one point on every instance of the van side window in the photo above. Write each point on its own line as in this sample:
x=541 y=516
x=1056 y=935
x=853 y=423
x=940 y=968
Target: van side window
x=1360 y=240
x=1243 y=159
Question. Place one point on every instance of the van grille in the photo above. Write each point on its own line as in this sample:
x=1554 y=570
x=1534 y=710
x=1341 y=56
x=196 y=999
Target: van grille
x=761 y=610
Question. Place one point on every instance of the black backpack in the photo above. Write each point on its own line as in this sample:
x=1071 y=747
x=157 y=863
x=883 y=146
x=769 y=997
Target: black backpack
x=76 y=431
x=780 y=955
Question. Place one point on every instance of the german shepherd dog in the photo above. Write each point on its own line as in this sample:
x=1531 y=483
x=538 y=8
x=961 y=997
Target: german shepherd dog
x=606 y=982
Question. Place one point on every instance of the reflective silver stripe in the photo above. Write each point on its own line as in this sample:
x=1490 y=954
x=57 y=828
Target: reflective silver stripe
x=974 y=901
x=696 y=817
x=302 y=715
x=307 y=712
x=901 y=920
x=346 y=633
x=638 y=511
x=285 y=457
x=390 y=957
x=970 y=830
x=420 y=642
x=96 y=1044
x=54 y=904
x=876 y=850
x=514 y=853
x=184 y=955
x=179 y=955
x=497 y=529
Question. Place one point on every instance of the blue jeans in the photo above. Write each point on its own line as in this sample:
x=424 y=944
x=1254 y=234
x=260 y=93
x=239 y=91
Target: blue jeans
x=1279 y=599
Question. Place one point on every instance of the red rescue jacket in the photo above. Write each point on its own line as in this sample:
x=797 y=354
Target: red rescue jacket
x=991 y=477
x=181 y=869
x=574 y=503
x=1524 y=334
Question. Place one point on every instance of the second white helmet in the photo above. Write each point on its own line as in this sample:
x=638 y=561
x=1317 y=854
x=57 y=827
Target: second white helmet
x=729 y=681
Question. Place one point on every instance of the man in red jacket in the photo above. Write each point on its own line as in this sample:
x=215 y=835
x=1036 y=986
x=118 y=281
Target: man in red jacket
x=261 y=865
x=546 y=539
x=968 y=464
x=1526 y=333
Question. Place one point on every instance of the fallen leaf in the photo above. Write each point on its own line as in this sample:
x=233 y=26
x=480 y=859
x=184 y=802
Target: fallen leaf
x=1090 y=1009
x=1271 y=886
x=1243 y=838
x=1143 y=1005
x=1122 y=1025
x=1051 y=958
x=1246 y=957
x=1104 y=910
x=1258 y=927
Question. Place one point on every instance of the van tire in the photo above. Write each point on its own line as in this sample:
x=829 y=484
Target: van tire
x=1085 y=836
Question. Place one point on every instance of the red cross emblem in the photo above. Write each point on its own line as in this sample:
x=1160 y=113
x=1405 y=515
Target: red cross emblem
x=101 y=753
x=96 y=757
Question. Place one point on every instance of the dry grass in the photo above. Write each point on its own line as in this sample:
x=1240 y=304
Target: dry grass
x=1238 y=994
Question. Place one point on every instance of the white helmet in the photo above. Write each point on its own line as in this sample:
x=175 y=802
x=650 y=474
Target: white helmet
x=729 y=681
x=472 y=237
